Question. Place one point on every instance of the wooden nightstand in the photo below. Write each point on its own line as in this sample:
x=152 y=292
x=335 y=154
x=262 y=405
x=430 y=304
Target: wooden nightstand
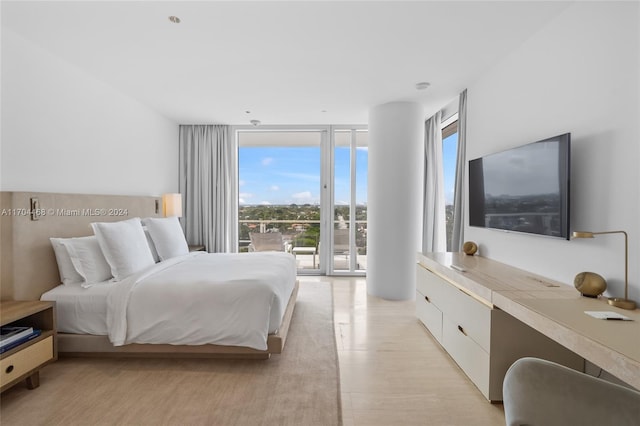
x=25 y=361
x=196 y=248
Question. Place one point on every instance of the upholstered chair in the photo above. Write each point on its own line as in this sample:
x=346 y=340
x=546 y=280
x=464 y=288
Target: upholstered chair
x=537 y=392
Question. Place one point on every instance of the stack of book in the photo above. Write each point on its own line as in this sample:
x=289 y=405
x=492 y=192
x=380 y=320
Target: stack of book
x=11 y=336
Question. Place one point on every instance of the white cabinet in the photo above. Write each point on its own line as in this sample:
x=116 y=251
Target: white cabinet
x=483 y=340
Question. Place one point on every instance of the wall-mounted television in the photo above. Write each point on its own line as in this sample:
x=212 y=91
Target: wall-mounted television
x=523 y=189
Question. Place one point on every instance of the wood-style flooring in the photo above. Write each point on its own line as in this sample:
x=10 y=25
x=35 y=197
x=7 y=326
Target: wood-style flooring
x=393 y=372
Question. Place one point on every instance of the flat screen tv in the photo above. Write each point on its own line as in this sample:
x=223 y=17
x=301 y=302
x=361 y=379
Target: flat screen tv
x=523 y=189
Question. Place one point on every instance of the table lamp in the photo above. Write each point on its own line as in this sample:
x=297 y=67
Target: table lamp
x=623 y=303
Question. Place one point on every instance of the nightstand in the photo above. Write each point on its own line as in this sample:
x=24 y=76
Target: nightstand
x=25 y=361
x=196 y=248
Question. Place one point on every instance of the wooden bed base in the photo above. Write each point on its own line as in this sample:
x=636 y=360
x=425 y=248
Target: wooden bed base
x=86 y=345
x=28 y=267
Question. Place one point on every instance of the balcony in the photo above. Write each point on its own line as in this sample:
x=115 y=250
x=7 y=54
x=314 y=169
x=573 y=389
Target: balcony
x=306 y=233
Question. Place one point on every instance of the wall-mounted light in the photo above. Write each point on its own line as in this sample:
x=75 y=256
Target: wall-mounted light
x=172 y=205
x=34 y=205
x=623 y=303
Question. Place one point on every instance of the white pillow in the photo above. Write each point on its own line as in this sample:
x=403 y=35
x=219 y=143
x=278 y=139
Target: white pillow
x=88 y=260
x=68 y=273
x=152 y=247
x=167 y=236
x=124 y=245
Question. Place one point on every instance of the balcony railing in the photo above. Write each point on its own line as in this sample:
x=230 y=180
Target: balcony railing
x=306 y=233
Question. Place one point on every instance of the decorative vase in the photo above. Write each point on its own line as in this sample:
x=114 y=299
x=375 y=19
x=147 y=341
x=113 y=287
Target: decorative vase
x=590 y=284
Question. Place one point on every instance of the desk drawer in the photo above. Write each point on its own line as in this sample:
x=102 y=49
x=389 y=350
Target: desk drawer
x=25 y=360
x=430 y=316
x=473 y=360
x=431 y=285
x=470 y=314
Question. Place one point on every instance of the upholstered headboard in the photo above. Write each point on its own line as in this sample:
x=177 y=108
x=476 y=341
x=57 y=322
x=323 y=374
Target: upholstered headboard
x=28 y=266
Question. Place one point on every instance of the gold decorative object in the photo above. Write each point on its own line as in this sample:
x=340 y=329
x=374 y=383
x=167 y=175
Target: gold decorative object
x=618 y=302
x=590 y=284
x=470 y=248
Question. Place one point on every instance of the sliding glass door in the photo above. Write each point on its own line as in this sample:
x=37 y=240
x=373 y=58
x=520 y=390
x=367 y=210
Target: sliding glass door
x=348 y=253
x=310 y=187
x=280 y=191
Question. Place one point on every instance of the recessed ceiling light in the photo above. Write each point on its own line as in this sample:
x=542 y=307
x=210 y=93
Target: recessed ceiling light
x=423 y=85
x=174 y=19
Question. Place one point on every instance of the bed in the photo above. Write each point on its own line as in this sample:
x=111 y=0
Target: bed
x=243 y=304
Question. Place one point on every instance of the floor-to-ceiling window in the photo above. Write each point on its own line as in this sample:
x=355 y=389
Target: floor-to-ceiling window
x=279 y=190
x=309 y=185
x=350 y=162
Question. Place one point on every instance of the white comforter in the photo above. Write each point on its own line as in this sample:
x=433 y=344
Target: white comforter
x=200 y=298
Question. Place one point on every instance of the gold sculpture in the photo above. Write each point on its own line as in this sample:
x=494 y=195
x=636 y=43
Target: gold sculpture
x=470 y=248
x=590 y=284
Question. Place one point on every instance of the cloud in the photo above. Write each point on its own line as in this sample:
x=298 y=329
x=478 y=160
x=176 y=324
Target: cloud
x=243 y=196
x=267 y=161
x=304 y=197
x=274 y=188
x=241 y=183
x=265 y=203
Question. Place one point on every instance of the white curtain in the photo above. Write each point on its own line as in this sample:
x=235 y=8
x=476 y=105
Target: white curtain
x=434 y=223
x=206 y=185
x=457 y=237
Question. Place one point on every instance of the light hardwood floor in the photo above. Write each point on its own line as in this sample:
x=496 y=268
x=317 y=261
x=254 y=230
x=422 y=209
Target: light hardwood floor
x=393 y=372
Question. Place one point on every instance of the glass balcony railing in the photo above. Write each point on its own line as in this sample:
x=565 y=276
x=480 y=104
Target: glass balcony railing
x=306 y=234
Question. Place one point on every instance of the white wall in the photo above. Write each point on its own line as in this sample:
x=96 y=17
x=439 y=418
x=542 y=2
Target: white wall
x=579 y=74
x=65 y=131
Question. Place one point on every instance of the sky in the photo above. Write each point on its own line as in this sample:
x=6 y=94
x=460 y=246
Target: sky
x=449 y=154
x=291 y=175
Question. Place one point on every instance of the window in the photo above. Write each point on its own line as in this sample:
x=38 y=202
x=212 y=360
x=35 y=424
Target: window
x=449 y=154
x=279 y=187
x=292 y=182
x=351 y=154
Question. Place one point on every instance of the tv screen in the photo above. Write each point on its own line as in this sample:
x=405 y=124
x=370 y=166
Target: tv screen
x=523 y=189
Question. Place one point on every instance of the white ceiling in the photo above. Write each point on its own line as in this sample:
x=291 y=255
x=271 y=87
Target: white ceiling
x=286 y=62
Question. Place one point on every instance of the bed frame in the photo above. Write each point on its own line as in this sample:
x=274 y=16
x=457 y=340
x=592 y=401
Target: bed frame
x=28 y=266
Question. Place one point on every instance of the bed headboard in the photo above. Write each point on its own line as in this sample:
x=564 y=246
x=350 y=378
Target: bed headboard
x=28 y=265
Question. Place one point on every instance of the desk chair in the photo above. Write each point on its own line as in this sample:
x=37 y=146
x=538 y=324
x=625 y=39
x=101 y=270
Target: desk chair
x=537 y=392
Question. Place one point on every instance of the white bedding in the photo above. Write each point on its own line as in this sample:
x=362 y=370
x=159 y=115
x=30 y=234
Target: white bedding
x=200 y=298
x=80 y=310
x=224 y=299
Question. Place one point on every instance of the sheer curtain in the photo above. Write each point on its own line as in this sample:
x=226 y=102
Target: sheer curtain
x=457 y=238
x=206 y=185
x=434 y=223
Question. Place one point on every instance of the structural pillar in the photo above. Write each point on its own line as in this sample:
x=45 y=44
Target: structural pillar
x=394 y=208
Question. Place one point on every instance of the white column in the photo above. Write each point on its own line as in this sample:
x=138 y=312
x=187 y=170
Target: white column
x=396 y=164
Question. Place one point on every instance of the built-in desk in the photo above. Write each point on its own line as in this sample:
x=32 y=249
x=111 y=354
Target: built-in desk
x=552 y=308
